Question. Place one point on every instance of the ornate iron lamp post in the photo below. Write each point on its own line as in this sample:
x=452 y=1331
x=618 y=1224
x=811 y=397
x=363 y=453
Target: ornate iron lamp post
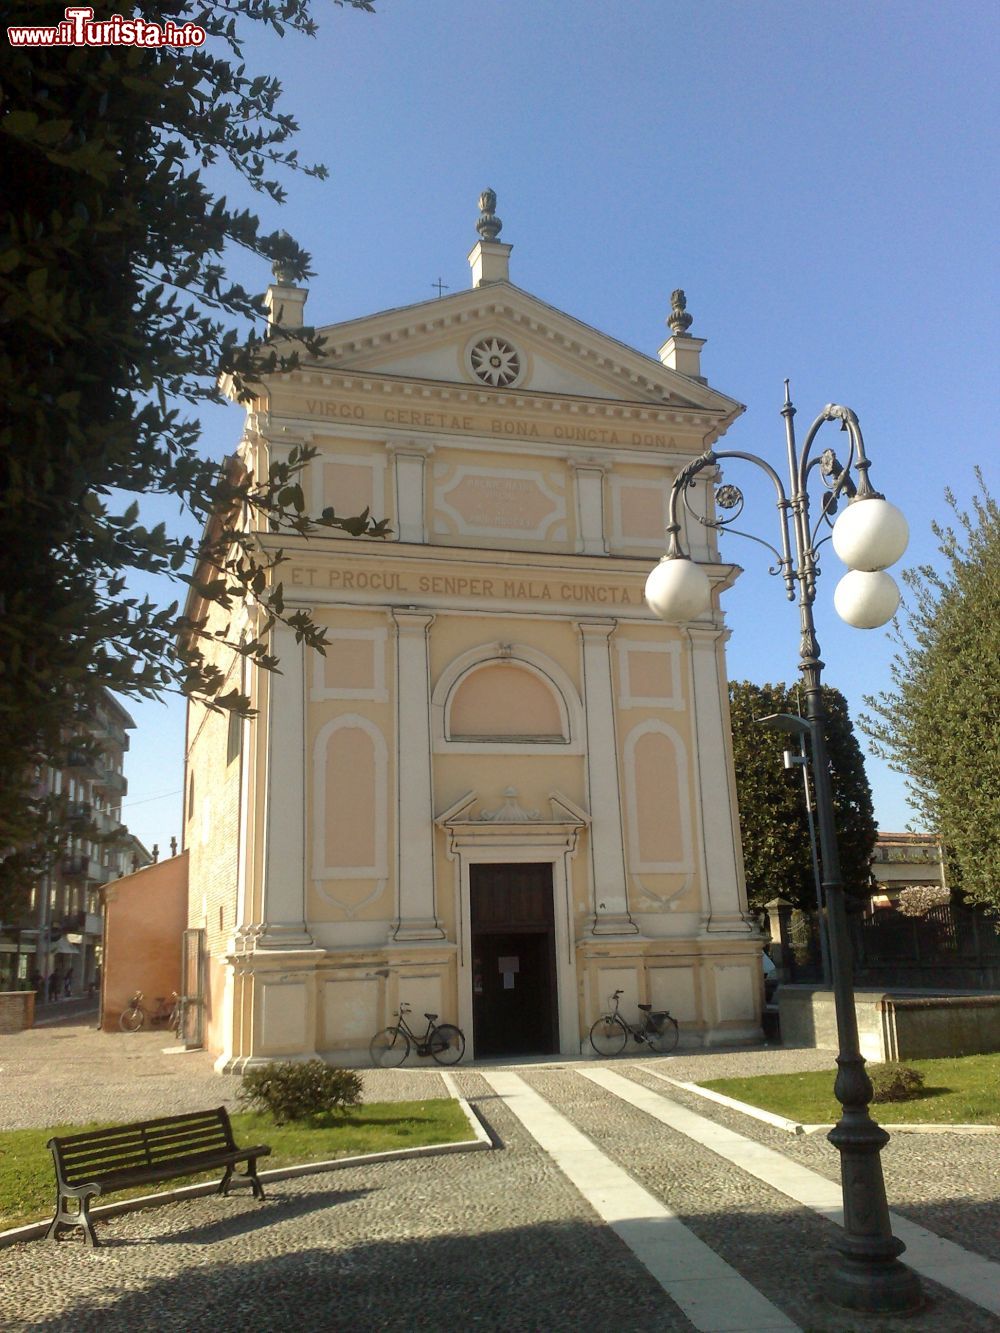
x=869 y=535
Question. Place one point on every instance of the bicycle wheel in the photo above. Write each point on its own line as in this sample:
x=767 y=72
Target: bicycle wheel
x=447 y=1044
x=608 y=1035
x=389 y=1048
x=131 y=1020
x=664 y=1040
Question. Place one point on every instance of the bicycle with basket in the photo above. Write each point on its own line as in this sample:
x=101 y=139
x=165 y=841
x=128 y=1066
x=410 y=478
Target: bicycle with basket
x=658 y=1031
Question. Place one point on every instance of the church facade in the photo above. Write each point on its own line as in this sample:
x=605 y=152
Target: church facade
x=506 y=790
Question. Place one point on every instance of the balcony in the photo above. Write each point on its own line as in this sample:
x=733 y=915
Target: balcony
x=79 y=812
x=113 y=781
x=112 y=732
x=83 y=763
x=79 y=866
x=108 y=823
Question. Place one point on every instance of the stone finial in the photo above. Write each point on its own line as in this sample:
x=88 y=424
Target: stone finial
x=489 y=224
x=679 y=321
x=280 y=265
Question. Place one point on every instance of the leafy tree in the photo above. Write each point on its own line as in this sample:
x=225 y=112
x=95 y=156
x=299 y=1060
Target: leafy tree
x=116 y=321
x=773 y=817
x=940 y=725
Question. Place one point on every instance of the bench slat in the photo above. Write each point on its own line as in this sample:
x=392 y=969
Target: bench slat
x=84 y=1158
x=181 y=1166
x=139 y=1126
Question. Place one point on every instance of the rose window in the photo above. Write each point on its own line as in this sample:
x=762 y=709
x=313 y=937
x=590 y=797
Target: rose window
x=495 y=362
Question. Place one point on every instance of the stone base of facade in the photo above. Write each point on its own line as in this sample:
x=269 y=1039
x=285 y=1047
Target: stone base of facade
x=298 y=1004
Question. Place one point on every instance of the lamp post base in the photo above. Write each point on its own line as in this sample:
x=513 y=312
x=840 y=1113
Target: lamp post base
x=867 y=1275
x=886 y=1287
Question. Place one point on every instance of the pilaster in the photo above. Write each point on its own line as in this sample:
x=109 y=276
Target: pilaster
x=591 y=538
x=409 y=457
x=607 y=853
x=724 y=902
x=283 y=924
x=417 y=918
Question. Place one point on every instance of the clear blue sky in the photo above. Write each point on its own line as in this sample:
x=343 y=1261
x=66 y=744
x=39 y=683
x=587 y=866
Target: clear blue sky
x=820 y=178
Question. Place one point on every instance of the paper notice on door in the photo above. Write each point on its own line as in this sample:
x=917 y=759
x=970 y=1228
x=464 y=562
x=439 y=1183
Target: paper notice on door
x=508 y=981
x=510 y=964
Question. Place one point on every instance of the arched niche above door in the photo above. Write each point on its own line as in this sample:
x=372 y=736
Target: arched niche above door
x=506 y=697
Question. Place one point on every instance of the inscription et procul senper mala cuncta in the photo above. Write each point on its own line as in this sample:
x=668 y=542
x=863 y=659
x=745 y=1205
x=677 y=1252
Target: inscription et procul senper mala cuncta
x=462 y=585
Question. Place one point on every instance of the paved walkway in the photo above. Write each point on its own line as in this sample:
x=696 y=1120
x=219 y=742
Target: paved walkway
x=619 y=1202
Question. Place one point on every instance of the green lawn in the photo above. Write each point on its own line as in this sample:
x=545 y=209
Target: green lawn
x=962 y=1091
x=27 y=1175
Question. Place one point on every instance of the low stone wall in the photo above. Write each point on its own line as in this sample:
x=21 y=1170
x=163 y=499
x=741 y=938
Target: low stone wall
x=920 y=1029
x=17 y=1010
x=894 y=1025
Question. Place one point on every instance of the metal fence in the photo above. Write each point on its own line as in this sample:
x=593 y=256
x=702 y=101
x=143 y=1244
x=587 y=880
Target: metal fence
x=954 y=947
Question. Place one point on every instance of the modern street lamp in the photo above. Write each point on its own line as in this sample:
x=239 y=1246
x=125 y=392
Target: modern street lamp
x=869 y=535
x=791 y=723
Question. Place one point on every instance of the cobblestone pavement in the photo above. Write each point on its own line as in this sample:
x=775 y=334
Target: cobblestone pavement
x=497 y=1240
x=70 y=1073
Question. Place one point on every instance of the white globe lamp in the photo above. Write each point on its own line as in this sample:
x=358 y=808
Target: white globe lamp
x=866 y=599
x=678 y=589
x=870 y=534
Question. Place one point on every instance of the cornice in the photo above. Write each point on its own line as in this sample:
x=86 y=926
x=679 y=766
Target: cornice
x=708 y=423
x=588 y=346
x=526 y=563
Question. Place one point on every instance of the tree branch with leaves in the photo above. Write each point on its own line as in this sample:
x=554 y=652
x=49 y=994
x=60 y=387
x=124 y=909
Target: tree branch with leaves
x=773 y=818
x=116 y=320
x=940 y=723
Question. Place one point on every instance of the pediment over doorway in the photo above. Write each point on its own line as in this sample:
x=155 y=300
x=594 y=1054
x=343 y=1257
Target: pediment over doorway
x=562 y=811
x=472 y=818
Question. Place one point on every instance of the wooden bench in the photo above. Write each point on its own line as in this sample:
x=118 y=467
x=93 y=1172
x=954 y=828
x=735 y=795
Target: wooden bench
x=106 y=1160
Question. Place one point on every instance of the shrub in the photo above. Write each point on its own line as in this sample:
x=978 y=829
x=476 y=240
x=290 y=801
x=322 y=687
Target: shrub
x=921 y=898
x=297 y=1091
x=895 y=1082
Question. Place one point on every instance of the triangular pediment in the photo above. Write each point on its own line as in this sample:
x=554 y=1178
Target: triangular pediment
x=502 y=338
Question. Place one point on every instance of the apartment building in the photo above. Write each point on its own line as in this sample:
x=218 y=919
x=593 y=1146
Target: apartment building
x=58 y=938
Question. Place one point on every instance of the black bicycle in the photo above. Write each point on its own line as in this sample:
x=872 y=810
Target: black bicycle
x=611 y=1032
x=391 y=1046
